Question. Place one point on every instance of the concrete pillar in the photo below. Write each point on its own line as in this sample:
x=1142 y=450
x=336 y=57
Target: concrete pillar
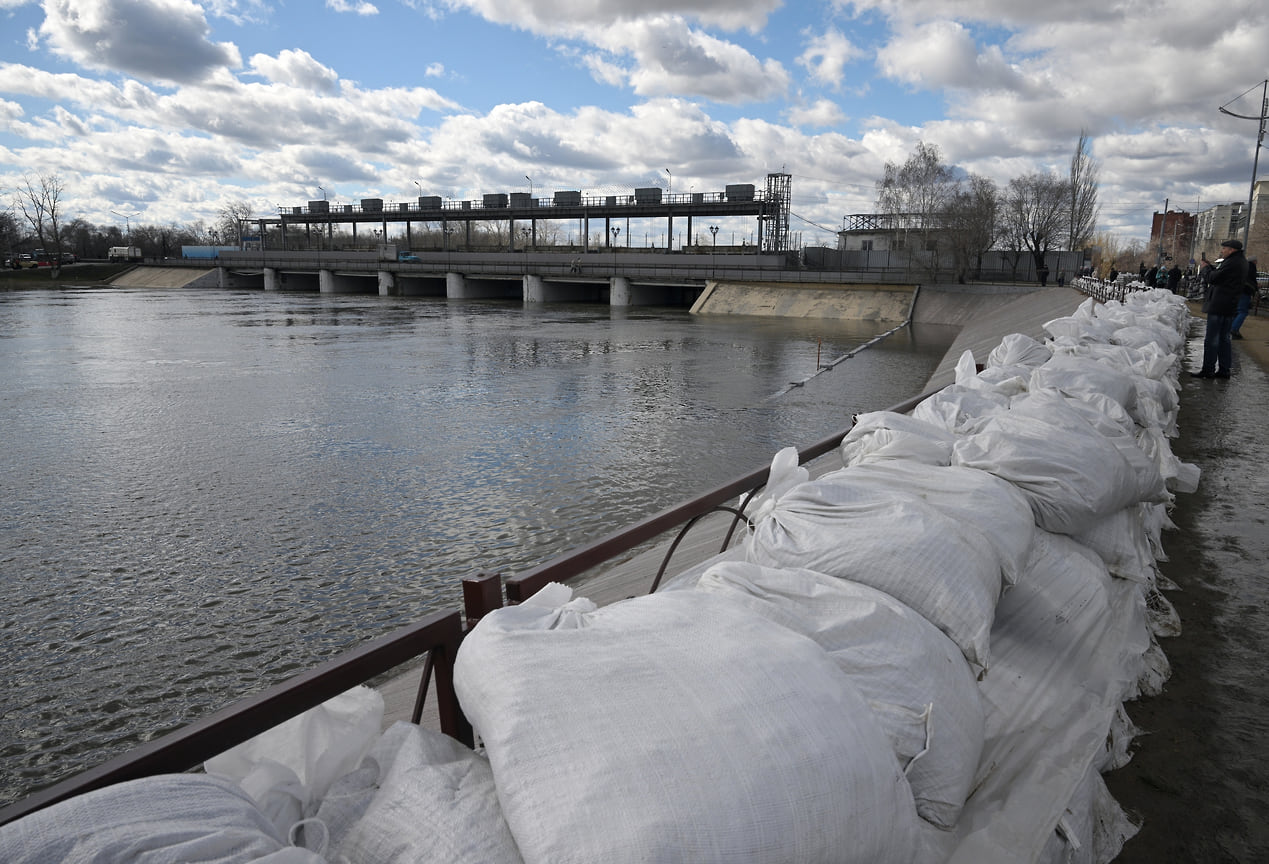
x=222 y=277
x=618 y=291
x=387 y=283
x=455 y=286
x=533 y=289
x=326 y=281
x=270 y=278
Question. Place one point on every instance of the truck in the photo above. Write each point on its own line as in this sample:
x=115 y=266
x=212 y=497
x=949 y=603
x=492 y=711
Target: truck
x=124 y=253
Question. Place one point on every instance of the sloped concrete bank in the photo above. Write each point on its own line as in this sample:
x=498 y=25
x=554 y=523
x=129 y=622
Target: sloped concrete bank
x=784 y=300
x=167 y=277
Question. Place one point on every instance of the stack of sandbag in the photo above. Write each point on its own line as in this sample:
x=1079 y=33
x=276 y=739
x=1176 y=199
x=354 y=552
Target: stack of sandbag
x=680 y=726
x=1047 y=468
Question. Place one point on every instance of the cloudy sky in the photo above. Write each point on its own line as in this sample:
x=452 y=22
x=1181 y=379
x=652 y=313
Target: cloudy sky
x=166 y=109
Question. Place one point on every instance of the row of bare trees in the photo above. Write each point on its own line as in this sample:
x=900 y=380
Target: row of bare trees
x=34 y=219
x=943 y=217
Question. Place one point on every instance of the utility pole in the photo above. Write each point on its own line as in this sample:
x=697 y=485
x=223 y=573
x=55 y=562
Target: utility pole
x=1260 y=137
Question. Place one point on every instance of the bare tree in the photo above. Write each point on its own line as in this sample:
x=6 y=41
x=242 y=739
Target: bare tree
x=1082 y=196
x=1036 y=215
x=40 y=202
x=916 y=197
x=973 y=224
x=9 y=233
x=229 y=221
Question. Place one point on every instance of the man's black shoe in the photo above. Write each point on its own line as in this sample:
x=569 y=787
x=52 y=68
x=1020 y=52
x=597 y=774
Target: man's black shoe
x=1202 y=374
x=1235 y=335
x=1221 y=375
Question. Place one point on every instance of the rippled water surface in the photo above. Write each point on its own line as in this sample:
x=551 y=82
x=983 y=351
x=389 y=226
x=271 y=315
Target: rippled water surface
x=206 y=492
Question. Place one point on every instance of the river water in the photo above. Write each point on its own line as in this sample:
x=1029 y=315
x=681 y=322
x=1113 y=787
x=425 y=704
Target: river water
x=205 y=492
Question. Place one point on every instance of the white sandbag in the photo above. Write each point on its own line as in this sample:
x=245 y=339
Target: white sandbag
x=1093 y=829
x=888 y=435
x=1070 y=480
x=1076 y=376
x=425 y=799
x=1120 y=541
x=896 y=658
x=1150 y=361
x=1063 y=658
x=1144 y=333
x=1177 y=475
x=785 y=473
x=678 y=727
x=993 y=507
x=287 y=769
x=959 y=410
x=1104 y=417
x=1005 y=382
x=1079 y=329
x=1157 y=403
x=165 y=819
x=894 y=543
x=1017 y=349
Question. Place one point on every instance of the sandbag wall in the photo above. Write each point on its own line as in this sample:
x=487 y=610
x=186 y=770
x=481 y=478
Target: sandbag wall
x=973 y=595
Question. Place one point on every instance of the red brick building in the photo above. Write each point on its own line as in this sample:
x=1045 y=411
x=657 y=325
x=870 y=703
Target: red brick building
x=1172 y=237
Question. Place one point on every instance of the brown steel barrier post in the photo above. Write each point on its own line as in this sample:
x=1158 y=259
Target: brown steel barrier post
x=482 y=593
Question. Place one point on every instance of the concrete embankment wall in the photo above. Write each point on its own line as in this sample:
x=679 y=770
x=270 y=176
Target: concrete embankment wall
x=781 y=300
x=166 y=277
x=985 y=319
x=985 y=313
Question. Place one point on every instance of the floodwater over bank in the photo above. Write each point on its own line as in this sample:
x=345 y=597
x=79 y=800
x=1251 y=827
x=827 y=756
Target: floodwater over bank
x=207 y=492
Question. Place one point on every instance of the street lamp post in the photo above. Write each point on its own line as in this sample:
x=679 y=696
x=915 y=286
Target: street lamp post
x=669 y=189
x=127 y=224
x=530 y=179
x=713 y=229
x=616 y=229
x=1260 y=137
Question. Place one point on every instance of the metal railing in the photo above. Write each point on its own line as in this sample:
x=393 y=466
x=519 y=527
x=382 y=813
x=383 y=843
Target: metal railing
x=437 y=636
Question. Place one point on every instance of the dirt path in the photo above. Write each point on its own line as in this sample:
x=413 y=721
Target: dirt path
x=1198 y=778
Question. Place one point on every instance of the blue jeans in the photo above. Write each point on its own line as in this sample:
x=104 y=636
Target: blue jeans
x=1218 y=349
x=1244 y=306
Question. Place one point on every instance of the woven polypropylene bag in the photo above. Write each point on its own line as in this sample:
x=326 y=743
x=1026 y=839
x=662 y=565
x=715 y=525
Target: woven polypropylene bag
x=678 y=727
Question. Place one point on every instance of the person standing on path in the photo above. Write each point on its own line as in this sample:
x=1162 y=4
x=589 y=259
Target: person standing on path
x=1244 y=300
x=1221 y=305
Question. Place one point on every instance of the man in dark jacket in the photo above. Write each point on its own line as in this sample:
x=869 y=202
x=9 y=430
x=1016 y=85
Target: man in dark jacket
x=1221 y=305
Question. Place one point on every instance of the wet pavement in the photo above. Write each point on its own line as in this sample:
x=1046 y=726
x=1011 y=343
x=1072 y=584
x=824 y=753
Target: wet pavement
x=1197 y=780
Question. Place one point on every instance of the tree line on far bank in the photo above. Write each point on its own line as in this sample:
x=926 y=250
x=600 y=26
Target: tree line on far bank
x=35 y=220
x=941 y=217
